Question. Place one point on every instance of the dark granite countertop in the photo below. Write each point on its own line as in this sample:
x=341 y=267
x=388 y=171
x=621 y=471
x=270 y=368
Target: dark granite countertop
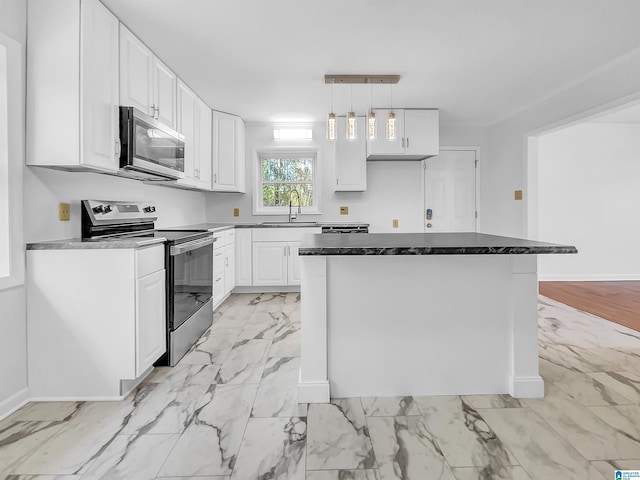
x=425 y=244
x=222 y=226
x=80 y=244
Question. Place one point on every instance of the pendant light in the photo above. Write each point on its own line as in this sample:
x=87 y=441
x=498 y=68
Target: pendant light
x=391 y=118
x=352 y=123
x=331 y=121
x=371 y=120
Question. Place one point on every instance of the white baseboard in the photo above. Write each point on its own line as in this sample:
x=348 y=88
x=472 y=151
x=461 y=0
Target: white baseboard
x=257 y=289
x=313 y=392
x=14 y=402
x=78 y=399
x=526 y=387
x=587 y=278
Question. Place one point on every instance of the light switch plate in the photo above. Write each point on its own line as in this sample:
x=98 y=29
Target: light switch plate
x=344 y=210
x=236 y=212
x=517 y=195
x=395 y=223
x=64 y=212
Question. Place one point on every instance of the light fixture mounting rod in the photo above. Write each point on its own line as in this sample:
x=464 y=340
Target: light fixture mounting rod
x=369 y=78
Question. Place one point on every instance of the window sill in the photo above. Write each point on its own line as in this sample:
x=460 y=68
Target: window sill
x=285 y=211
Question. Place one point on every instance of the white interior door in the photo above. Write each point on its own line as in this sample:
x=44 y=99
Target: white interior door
x=450 y=192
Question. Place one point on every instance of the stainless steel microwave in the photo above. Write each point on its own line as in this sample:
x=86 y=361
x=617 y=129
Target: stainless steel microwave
x=148 y=148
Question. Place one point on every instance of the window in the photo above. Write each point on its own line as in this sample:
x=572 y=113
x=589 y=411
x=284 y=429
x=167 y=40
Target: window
x=285 y=177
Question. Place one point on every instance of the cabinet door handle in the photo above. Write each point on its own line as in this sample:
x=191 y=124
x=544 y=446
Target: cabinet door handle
x=157 y=113
x=337 y=181
x=402 y=142
x=118 y=147
x=407 y=142
x=153 y=110
x=215 y=178
x=284 y=251
x=226 y=261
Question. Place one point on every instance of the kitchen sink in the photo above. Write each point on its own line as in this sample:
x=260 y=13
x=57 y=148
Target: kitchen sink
x=290 y=224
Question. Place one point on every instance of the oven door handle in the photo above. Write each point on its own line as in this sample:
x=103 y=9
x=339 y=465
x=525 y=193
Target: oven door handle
x=188 y=246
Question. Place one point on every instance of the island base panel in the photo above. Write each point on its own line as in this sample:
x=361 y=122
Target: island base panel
x=422 y=325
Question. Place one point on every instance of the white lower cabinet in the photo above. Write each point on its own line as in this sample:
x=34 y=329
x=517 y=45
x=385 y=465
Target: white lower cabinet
x=224 y=265
x=243 y=256
x=229 y=267
x=151 y=339
x=275 y=255
x=294 y=275
x=96 y=318
x=270 y=263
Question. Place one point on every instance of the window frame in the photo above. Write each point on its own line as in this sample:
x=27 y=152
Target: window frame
x=11 y=167
x=259 y=154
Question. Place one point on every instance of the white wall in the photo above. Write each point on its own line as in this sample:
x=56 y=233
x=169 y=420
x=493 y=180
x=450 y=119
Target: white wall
x=506 y=168
x=45 y=188
x=394 y=189
x=13 y=341
x=589 y=196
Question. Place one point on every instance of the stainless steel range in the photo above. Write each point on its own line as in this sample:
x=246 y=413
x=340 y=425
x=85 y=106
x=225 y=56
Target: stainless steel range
x=188 y=264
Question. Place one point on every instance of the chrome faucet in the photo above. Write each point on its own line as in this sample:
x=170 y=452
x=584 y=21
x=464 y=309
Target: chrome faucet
x=293 y=216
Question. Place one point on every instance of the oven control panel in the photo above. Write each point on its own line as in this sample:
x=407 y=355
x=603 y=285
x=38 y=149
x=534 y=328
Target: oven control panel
x=102 y=211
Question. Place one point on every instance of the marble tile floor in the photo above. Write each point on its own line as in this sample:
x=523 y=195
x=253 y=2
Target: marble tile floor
x=229 y=412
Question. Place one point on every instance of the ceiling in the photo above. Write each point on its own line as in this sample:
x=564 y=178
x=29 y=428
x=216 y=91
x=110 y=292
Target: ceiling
x=479 y=61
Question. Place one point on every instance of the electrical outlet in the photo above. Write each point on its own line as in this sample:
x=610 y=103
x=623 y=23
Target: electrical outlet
x=344 y=210
x=64 y=212
x=395 y=223
x=517 y=194
x=236 y=212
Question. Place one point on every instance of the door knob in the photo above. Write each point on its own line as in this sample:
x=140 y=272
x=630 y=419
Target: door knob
x=429 y=225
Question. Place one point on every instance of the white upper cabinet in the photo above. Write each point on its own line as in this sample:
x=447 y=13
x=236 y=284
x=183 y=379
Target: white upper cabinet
x=417 y=135
x=194 y=122
x=72 y=68
x=351 y=159
x=422 y=132
x=145 y=82
x=187 y=126
x=228 y=153
x=136 y=73
x=165 y=84
x=203 y=159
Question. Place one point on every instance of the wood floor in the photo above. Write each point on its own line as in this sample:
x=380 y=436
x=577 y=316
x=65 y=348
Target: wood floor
x=615 y=301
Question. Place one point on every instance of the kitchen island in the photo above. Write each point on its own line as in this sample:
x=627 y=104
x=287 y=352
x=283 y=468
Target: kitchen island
x=419 y=314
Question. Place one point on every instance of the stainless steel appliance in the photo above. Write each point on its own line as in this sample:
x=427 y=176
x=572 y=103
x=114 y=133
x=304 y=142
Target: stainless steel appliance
x=148 y=148
x=346 y=228
x=188 y=265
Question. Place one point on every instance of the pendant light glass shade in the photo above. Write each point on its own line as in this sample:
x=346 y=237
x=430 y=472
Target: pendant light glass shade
x=371 y=125
x=371 y=119
x=391 y=118
x=331 y=127
x=391 y=126
x=351 y=122
x=332 y=133
x=352 y=126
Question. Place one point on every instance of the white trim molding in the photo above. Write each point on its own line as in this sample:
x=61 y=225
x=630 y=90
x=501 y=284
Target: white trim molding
x=14 y=402
x=11 y=166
